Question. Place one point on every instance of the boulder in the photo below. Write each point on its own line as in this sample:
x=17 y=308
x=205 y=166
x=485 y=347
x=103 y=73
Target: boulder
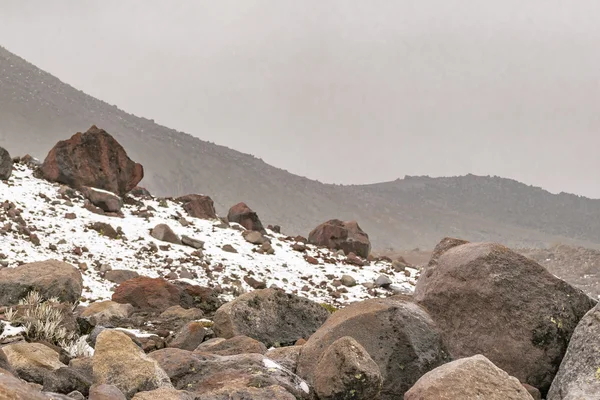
x=51 y=278
x=6 y=164
x=503 y=306
x=147 y=294
x=93 y=159
x=66 y=380
x=118 y=361
x=105 y=392
x=180 y=313
x=107 y=312
x=273 y=392
x=191 y=242
x=32 y=361
x=254 y=237
x=347 y=371
x=12 y=388
x=120 y=275
x=243 y=215
x=270 y=316
x=579 y=372
x=339 y=235
x=190 y=336
x=198 y=206
x=398 y=334
x=206 y=373
x=236 y=345
x=139 y=191
x=474 y=377
x=107 y=201
x=443 y=246
x=164 y=233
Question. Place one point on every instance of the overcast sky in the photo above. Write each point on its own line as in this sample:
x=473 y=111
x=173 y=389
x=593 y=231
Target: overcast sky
x=345 y=91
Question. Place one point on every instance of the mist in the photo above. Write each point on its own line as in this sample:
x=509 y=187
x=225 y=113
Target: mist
x=345 y=91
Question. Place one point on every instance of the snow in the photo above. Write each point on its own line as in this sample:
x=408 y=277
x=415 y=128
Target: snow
x=44 y=211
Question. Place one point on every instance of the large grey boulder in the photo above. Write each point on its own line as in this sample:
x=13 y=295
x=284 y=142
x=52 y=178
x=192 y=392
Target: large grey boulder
x=489 y=300
x=51 y=278
x=270 y=316
x=398 y=334
x=579 y=372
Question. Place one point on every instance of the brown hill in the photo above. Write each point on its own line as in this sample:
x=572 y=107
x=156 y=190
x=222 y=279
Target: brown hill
x=37 y=110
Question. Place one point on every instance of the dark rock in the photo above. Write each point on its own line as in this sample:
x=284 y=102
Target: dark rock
x=338 y=235
x=6 y=164
x=164 y=233
x=243 y=215
x=93 y=159
x=120 y=275
x=107 y=201
x=198 y=206
x=236 y=345
x=190 y=336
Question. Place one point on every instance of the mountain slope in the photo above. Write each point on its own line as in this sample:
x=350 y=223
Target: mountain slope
x=37 y=110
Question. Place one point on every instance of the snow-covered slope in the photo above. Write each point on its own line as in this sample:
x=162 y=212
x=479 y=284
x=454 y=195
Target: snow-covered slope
x=43 y=210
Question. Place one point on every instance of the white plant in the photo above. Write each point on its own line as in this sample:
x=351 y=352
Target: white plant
x=78 y=348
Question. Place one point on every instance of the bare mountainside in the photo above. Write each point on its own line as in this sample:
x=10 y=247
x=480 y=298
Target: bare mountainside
x=37 y=110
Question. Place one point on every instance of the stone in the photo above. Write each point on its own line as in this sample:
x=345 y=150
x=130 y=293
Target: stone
x=398 y=334
x=191 y=242
x=148 y=294
x=287 y=356
x=6 y=164
x=348 y=281
x=106 y=201
x=383 y=281
x=118 y=361
x=347 y=371
x=180 y=313
x=338 y=235
x=93 y=159
x=254 y=237
x=120 y=275
x=51 y=278
x=243 y=215
x=32 y=361
x=579 y=372
x=107 y=312
x=227 y=392
x=164 y=394
x=105 y=392
x=164 y=233
x=202 y=374
x=67 y=380
x=12 y=388
x=190 y=336
x=270 y=316
x=236 y=345
x=505 y=307
x=198 y=206
x=473 y=377
x=105 y=229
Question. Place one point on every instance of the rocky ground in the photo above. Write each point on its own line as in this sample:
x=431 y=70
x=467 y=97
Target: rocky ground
x=108 y=293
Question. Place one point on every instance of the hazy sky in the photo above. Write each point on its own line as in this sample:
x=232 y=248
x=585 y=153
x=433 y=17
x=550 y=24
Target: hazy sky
x=345 y=91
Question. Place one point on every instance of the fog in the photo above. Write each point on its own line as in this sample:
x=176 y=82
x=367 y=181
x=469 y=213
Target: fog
x=345 y=91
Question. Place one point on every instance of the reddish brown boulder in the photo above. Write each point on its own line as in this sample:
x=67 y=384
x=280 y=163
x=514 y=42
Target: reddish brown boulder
x=489 y=300
x=6 y=164
x=243 y=215
x=340 y=235
x=148 y=294
x=95 y=159
x=199 y=206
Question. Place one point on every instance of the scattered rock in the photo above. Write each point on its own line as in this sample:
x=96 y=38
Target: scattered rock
x=105 y=229
x=51 y=278
x=348 y=281
x=164 y=394
x=106 y=392
x=93 y=159
x=229 y=248
x=139 y=191
x=243 y=215
x=269 y=316
x=164 y=233
x=254 y=237
x=198 y=206
x=383 y=281
x=346 y=370
x=287 y=357
x=398 y=335
x=474 y=377
x=339 y=235
x=32 y=361
x=505 y=307
x=118 y=361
